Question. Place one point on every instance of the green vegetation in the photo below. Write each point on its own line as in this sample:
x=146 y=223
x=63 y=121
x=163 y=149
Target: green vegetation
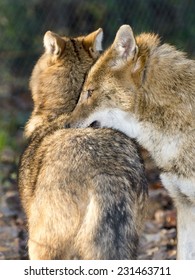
x=23 y=24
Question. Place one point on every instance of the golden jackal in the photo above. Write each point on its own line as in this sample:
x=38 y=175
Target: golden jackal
x=147 y=90
x=83 y=190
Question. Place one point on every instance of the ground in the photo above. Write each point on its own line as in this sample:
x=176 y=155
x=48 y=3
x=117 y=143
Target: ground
x=158 y=241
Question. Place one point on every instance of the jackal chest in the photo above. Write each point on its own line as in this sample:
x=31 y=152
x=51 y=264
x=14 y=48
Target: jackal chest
x=164 y=148
x=180 y=188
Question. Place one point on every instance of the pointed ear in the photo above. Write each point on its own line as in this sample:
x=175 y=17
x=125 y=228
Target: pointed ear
x=93 y=41
x=124 y=43
x=53 y=43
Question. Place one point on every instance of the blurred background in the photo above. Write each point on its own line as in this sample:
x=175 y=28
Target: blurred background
x=22 y=27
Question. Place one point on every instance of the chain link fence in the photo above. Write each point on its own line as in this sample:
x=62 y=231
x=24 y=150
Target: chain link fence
x=23 y=24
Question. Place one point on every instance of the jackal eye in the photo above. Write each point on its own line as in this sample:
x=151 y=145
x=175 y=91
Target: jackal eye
x=89 y=93
x=86 y=95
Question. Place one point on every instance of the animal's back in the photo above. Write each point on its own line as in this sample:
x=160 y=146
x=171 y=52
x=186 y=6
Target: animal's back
x=88 y=196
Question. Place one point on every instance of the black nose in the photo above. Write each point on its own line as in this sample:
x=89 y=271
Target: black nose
x=67 y=125
x=95 y=124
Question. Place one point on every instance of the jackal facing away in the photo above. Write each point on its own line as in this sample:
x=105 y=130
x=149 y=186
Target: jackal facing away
x=147 y=90
x=83 y=190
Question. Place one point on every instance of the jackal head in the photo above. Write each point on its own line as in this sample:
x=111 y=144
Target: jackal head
x=111 y=84
x=58 y=75
x=111 y=87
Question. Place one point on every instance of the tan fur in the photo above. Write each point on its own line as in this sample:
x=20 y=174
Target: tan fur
x=147 y=90
x=83 y=190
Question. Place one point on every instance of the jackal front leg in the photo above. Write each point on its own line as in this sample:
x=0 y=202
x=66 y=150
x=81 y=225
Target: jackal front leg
x=185 y=232
x=182 y=190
